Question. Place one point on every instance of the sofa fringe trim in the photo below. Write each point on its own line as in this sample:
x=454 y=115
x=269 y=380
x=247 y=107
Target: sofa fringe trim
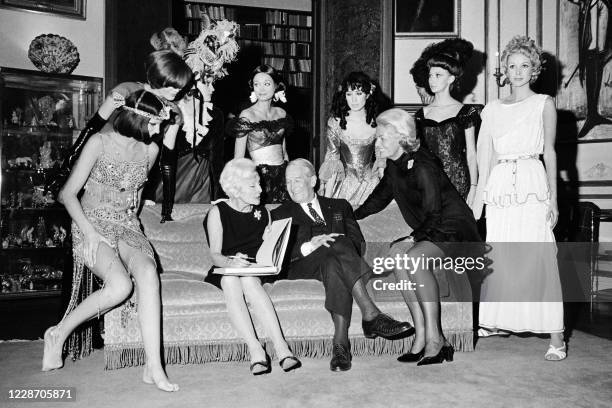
x=118 y=356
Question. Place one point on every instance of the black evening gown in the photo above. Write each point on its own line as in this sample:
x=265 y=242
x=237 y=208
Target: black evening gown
x=446 y=140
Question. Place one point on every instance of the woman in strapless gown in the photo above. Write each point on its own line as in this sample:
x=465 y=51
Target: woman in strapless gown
x=350 y=169
x=262 y=130
x=107 y=236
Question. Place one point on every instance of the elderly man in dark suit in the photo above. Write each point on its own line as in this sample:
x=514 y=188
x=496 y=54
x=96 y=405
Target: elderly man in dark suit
x=326 y=244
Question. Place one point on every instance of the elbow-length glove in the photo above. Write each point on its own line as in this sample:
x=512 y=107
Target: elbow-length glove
x=167 y=165
x=94 y=125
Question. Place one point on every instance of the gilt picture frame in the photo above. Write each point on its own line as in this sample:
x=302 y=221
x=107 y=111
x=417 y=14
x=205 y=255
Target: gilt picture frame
x=64 y=8
x=427 y=18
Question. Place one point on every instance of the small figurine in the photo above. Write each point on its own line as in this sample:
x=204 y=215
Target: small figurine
x=62 y=235
x=30 y=235
x=45 y=156
x=23 y=162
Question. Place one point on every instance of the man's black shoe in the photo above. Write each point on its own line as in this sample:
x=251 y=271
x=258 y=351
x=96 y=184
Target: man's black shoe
x=341 y=358
x=386 y=327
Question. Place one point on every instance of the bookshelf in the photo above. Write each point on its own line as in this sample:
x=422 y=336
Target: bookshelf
x=282 y=39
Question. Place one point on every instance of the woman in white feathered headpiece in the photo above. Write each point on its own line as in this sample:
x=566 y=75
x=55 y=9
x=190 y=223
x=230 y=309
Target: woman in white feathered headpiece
x=187 y=179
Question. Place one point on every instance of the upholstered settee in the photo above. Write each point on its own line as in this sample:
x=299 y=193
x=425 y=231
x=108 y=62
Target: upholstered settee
x=196 y=328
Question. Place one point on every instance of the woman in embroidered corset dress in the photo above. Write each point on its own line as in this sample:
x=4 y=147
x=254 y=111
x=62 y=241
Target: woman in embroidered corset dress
x=235 y=230
x=262 y=130
x=447 y=126
x=350 y=170
x=107 y=235
x=523 y=292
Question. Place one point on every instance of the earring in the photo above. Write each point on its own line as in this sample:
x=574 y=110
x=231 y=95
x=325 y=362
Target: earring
x=280 y=95
x=253 y=97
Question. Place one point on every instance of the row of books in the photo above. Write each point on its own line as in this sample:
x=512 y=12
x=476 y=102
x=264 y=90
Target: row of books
x=256 y=31
x=299 y=79
x=302 y=65
x=283 y=17
x=195 y=10
x=194 y=27
x=292 y=49
x=288 y=64
x=198 y=10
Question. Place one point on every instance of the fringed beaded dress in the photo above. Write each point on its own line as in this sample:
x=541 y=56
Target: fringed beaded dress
x=110 y=202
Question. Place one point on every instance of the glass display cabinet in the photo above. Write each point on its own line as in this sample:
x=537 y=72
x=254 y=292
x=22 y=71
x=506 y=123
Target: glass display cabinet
x=40 y=117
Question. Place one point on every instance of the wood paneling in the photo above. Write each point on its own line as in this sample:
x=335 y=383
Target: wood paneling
x=129 y=25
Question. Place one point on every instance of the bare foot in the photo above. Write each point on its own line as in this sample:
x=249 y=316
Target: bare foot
x=159 y=378
x=52 y=354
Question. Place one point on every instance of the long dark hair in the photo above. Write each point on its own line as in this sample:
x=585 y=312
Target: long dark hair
x=131 y=124
x=355 y=81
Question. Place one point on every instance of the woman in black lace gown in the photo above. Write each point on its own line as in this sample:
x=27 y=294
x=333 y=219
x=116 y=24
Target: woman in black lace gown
x=262 y=130
x=447 y=126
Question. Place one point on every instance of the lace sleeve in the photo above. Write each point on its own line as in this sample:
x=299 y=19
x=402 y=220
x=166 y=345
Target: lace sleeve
x=332 y=165
x=238 y=127
x=471 y=116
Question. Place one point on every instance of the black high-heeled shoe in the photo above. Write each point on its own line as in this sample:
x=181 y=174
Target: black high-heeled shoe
x=411 y=357
x=296 y=363
x=445 y=353
x=267 y=366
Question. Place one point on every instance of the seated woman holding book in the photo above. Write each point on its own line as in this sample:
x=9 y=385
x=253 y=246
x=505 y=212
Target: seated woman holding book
x=235 y=230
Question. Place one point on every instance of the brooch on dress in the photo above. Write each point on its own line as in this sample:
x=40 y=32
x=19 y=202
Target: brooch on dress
x=257 y=214
x=410 y=164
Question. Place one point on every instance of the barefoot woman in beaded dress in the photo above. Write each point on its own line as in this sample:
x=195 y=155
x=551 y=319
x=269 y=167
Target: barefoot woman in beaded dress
x=108 y=239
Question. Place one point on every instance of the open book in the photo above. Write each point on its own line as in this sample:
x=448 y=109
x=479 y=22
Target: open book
x=270 y=254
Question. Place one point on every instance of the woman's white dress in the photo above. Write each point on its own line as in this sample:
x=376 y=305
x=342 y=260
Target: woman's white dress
x=523 y=291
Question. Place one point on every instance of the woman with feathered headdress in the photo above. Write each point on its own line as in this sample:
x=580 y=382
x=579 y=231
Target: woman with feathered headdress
x=191 y=164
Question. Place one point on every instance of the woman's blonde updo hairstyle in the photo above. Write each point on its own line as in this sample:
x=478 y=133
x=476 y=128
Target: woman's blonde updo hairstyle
x=234 y=174
x=524 y=45
x=403 y=123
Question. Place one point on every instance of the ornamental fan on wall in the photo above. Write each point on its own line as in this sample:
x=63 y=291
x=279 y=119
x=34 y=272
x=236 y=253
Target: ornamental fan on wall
x=53 y=53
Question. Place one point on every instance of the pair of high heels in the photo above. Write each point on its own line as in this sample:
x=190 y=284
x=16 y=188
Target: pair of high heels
x=265 y=367
x=445 y=353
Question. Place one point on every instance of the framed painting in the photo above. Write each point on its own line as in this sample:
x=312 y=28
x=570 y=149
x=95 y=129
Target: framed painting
x=427 y=18
x=65 y=8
